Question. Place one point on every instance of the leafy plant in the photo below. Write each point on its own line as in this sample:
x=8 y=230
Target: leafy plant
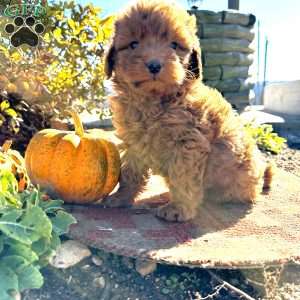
x=30 y=227
x=266 y=138
x=67 y=68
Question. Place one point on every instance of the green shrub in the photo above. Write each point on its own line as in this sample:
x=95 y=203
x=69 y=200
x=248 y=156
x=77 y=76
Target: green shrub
x=266 y=139
x=30 y=227
x=67 y=68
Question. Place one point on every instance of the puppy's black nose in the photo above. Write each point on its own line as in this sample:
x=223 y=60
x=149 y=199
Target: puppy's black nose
x=154 y=66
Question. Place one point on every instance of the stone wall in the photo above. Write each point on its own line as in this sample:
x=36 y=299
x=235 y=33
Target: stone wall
x=227 y=53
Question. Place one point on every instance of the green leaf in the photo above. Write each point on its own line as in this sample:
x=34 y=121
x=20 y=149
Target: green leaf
x=28 y=275
x=51 y=206
x=37 y=223
x=17 y=248
x=34 y=225
x=11 y=215
x=15 y=262
x=31 y=198
x=15 y=231
x=47 y=248
x=61 y=222
x=41 y=246
x=55 y=241
x=30 y=278
x=8 y=282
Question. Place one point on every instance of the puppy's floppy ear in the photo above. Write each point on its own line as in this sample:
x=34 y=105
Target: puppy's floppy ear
x=109 y=62
x=195 y=65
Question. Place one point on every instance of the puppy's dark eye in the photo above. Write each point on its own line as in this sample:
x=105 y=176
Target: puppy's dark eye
x=134 y=44
x=174 y=45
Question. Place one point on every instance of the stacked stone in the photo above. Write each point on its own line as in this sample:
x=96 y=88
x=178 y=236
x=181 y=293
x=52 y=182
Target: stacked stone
x=227 y=54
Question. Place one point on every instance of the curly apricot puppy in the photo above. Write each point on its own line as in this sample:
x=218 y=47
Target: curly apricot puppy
x=170 y=122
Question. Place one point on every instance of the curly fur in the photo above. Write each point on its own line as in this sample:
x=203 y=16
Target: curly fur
x=171 y=122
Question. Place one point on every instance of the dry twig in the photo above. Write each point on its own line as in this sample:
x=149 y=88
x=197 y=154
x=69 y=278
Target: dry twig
x=229 y=286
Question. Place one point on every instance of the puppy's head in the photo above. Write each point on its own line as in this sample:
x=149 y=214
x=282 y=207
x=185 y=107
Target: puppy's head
x=155 y=49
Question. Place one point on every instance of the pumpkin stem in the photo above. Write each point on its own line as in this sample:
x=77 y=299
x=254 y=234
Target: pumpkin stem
x=6 y=146
x=79 y=130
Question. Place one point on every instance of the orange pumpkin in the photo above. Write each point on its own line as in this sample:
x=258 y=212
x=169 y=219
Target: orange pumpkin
x=13 y=161
x=79 y=167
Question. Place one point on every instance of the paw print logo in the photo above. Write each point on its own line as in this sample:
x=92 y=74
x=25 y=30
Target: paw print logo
x=24 y=32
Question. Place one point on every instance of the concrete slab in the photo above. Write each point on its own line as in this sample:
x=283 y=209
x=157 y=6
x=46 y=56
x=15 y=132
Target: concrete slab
x=257 y=115
x=283 y=97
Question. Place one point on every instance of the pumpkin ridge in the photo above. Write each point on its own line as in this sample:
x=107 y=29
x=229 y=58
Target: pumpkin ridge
x=51 y=146
x=113 y=166
x=56 y=175
x=54 y=145
x=102 y=165
x=29 y=157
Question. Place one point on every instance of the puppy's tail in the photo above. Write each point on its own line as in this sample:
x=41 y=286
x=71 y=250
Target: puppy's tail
x=268 y=176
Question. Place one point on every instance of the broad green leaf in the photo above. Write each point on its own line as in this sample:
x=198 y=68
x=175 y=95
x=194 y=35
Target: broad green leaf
x=37 y=223
x=15 y=262
x=15 y=231
x=61 y=222
x=30 y=278
x=17 y=248
x=34 y=225
x=41 y=246
x=28 y=275
x=51 y=206
x=11 y=215
x=8 y=282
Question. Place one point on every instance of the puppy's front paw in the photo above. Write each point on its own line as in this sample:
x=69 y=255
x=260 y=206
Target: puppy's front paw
x=176 y=212
x=118 y=200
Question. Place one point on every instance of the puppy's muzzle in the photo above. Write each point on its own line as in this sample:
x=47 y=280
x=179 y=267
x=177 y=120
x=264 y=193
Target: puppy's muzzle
x=154 y=66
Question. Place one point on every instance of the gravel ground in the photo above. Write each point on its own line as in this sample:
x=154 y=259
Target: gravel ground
x=289 y=160
x=115 y=278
